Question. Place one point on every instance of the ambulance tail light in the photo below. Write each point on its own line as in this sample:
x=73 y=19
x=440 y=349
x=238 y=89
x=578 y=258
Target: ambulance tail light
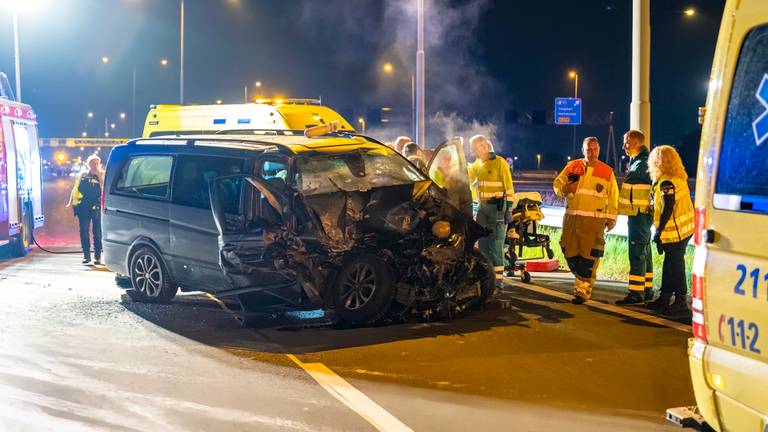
x=697 y=282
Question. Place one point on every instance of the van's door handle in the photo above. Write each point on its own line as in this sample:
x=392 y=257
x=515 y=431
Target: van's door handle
x=710 y=236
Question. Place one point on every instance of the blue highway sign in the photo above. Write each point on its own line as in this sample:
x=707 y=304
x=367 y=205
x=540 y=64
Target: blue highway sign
x=568 y=111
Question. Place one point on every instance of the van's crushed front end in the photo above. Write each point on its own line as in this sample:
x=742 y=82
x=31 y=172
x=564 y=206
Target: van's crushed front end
x=364 y=235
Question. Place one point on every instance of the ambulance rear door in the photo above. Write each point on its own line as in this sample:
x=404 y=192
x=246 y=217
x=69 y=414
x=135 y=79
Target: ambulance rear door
x=735 y=205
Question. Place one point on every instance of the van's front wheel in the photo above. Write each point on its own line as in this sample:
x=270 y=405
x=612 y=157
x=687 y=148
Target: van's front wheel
x=363 y=291
x=149 y=278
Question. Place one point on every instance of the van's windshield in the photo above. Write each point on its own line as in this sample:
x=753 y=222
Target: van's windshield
x=354 y=171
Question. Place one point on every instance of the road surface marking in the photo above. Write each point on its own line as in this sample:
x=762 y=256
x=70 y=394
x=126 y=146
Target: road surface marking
x=610 y=308
x=342 y=390
x=352 y=397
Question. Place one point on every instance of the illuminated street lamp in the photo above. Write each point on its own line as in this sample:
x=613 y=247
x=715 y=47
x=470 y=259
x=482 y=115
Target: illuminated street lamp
x=219 y=101
x=164 y=62
x=538 y=162
x=388 y=68
x=112 y=126
x=17 y=6
x=362 y=124
x=575 y=77
x=105 y=59
x=690 y=12
x=258 y=84
x=84 y=134
x=122 y=116
x=90 y=115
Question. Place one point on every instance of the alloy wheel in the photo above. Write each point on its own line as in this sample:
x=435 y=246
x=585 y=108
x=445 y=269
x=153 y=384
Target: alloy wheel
x=147 y=275
x=358 y=286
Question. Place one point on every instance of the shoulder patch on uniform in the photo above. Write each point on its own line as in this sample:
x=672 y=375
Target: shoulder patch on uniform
x=667 y=187
x=603 y=171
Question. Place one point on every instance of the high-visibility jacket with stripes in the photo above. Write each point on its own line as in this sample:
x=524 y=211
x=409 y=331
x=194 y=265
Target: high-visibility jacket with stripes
x=681 y=224
x=635 y=192
x=491 y=179
x=596 y=191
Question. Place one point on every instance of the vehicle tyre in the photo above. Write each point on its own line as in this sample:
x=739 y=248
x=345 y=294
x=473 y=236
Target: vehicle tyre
x=363 y=290
x=486 y=273
x=150 y=280
x=525 y=276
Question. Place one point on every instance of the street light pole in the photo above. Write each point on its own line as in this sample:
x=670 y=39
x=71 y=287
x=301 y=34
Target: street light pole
x=420 y=85
x=16 y=53
x=640 y=108
x=575 y=76
x=181 y=56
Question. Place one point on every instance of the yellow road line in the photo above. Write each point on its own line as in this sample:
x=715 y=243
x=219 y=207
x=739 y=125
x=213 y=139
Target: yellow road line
x=352 y=397
x=610 y=308
x=339 y=388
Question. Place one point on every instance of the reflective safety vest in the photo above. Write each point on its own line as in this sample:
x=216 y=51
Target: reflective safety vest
x=491 y=179
x=596 y=192
x=635 y=192
x=681 y=224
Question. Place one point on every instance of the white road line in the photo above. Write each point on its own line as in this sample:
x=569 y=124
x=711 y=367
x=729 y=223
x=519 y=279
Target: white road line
x=342 y=390
x=352 y=397
x=610 y=308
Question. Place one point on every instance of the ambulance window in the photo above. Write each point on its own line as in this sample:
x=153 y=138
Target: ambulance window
x=146 y=176
x=742 y=173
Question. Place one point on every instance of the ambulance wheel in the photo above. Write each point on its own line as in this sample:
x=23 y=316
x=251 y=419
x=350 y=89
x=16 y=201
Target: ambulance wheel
x=19 y=244
x=525 y=276
x=363 y=290
x=149 y=278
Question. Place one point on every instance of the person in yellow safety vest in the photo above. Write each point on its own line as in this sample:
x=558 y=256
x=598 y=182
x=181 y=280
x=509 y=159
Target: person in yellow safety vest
x=592 y=197
x=635 y=203
x=85 y=200
x=491 y=179
x=673 y=217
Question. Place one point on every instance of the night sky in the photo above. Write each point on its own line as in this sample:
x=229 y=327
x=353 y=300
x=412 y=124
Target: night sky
x=484 y=59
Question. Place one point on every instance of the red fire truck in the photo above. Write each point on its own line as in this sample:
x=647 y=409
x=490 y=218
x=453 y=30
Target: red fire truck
x=21 y=208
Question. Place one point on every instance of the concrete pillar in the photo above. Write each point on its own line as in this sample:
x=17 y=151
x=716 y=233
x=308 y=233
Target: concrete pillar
x=640 y=108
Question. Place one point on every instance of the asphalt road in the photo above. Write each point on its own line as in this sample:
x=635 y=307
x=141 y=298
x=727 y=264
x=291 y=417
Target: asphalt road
x=79 y=355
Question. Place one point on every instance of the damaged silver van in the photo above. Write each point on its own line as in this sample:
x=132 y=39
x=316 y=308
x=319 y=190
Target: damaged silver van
x=338 y=222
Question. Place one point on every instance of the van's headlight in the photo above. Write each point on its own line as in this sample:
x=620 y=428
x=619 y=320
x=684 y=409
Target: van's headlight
x=441 y=229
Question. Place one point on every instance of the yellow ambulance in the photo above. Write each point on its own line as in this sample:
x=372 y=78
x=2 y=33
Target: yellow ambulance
x=265 y=115
x=729 y=352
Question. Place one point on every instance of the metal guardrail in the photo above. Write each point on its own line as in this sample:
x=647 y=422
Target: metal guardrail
x=553 y=217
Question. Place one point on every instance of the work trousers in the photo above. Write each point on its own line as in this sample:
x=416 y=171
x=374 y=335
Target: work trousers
x=490 y=216
x=640 y=258
x=673 y=271
x=89 y=219
x=583 y=243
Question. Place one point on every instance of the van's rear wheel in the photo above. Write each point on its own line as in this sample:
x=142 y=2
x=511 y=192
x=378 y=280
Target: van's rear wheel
x=149 y=278
x=363 y=291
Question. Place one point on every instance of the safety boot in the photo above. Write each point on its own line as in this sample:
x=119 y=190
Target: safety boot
x=679 y=305
x=634 y=297
x=648 y=294
x=660 y=304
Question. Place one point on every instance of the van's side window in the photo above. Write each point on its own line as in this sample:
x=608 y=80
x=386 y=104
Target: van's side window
x=146 y=176
x=742 y=174
x=193 y=172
